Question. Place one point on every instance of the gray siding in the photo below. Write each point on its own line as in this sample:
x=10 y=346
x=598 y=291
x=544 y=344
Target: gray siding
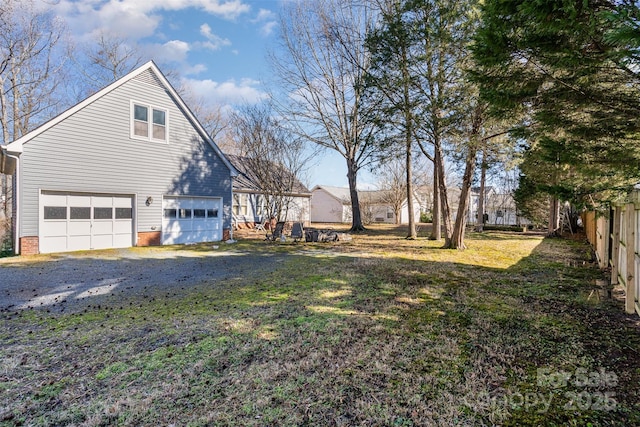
x=92 y=151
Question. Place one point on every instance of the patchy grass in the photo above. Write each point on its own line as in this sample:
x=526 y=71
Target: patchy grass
x=376 y=331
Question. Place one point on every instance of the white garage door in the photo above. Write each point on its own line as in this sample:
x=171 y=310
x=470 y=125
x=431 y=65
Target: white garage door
x=191 y=220
x=71 y=222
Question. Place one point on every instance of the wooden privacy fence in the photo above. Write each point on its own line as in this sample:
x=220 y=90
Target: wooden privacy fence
x=616 y=242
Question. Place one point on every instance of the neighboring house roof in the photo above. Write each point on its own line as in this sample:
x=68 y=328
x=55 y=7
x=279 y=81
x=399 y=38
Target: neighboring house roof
x=248 y=180
x=16 y=146
x=343 y=195
x=375 y=196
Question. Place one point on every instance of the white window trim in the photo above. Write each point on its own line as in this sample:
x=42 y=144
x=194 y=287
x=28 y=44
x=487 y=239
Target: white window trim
x=150 y=109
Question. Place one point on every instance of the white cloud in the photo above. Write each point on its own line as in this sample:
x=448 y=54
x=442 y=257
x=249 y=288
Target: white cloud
x=173 y=51
x=226 y=9
x=264 y=15
x=113 y=17
x=267 y=18
x=214 y=41
x=135 y=18
x=189 y=70
x=229 y=92
x=267 y=29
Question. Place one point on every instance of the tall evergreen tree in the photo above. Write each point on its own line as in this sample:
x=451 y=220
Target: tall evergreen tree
x=393 y=42
x=418 y=52
x=573 y=68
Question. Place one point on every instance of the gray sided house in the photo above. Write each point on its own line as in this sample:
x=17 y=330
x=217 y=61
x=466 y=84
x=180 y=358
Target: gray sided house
x=128 y=166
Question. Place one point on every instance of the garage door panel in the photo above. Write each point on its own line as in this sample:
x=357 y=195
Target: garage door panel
x=102 y=241
x=186 y=225
x=79 y=228
x=54 y=200
x=121 y=240
x=55 y=229
x=78 y=243
x=79 y=201
x=122 y=202
x=102 y=227
x=122 y=227
x=52 y=243
x=102 y=202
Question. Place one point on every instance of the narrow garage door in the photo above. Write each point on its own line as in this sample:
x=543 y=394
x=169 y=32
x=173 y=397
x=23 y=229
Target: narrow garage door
x=191 y=220
x=74 y=221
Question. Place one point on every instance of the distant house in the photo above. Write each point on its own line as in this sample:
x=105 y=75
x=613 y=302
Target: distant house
x=499 y=208
x=128 y=166
x=292 y=200
x=333 y=205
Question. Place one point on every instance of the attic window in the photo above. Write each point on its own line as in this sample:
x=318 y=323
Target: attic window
x=148 y=122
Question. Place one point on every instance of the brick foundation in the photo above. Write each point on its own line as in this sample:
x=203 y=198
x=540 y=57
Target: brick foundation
x=149 y=238
x=29 y=245
x=226 y=234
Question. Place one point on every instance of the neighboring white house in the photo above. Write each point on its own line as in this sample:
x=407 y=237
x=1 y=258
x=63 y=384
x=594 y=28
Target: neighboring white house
x=128 y=166
x=499 y=208
x=249 y=202
x=333 y=205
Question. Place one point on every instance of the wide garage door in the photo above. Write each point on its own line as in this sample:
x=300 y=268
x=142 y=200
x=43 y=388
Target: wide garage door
x=191 y=220
x=76 y=221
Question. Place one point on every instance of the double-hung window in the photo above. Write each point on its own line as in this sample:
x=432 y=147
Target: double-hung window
x=148 y=122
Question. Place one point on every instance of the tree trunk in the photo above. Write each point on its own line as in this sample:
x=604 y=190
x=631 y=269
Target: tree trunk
x=356 y=215
x=411 y=233
x=408 y=132
x=481 y=207
x=554 y=217
x=436 y=229
x=457 y=237
x=444 y=199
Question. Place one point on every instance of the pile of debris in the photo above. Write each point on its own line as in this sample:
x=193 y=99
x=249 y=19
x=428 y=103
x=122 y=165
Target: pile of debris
x=314 y=235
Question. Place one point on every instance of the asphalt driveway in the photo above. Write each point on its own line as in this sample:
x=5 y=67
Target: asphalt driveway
x=71 y=282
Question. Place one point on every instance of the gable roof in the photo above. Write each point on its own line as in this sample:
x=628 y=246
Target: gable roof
x=248 y=180
x=16 y=145
x=343 y=195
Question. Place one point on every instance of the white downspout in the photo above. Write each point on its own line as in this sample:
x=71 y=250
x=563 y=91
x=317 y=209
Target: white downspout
x=16 y=197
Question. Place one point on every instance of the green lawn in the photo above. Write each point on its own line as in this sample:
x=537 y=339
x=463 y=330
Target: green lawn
x=376 y=331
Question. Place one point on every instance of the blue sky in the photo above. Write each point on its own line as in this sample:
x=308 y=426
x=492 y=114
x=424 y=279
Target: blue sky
x=218 y=46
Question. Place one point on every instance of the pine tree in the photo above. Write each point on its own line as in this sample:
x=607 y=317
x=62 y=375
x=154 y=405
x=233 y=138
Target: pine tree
x=572 y=69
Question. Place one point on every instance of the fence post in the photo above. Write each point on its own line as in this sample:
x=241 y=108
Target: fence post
x=615 y=240
x=630 y=240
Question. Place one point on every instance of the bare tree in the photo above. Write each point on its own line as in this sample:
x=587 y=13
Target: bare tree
x=321 y=65
x=31 y=70
x=215 y=118
x=104 y=60
x=274 y=157
x=394 y=186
